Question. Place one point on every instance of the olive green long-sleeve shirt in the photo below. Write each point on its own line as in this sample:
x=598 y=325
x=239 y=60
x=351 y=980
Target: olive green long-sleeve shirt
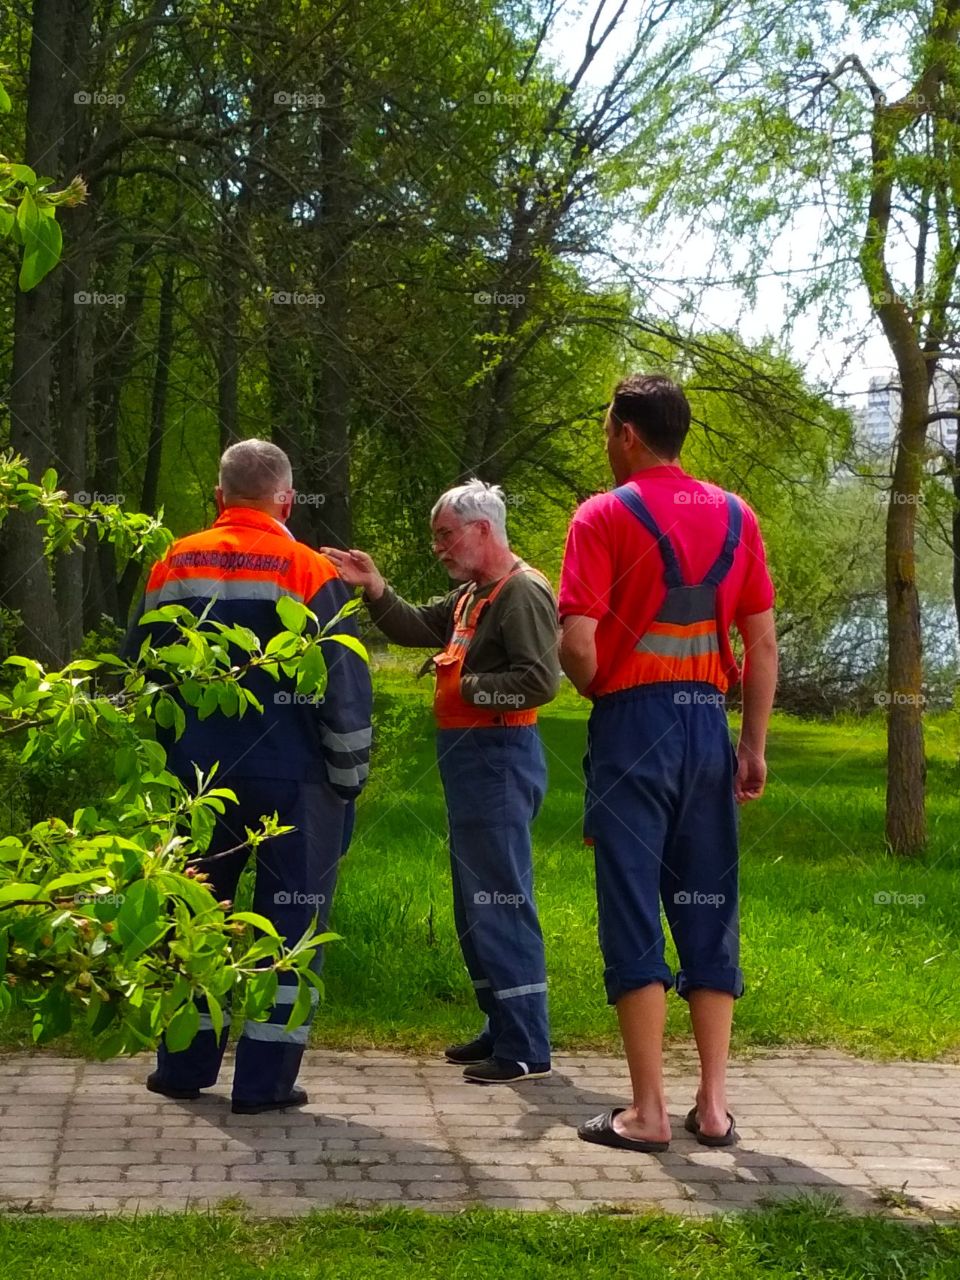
x=512 y=660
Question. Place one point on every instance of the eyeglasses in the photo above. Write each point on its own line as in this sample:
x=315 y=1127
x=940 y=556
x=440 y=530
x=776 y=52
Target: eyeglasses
x=444 y=537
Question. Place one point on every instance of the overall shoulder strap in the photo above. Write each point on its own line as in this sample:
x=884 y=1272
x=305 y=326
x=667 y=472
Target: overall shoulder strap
x=724 y=561
x=632 y=500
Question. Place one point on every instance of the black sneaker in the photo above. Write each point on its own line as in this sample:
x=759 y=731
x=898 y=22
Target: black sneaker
x=502 y=1071
x=465 y=1055
x=184 y=1095
x=297 y=1099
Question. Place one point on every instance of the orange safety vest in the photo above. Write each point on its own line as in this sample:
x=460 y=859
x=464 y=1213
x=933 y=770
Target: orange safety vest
x=682 y=643
x=450 y=708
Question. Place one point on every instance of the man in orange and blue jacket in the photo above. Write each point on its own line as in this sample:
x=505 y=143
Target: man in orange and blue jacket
x=305 y=758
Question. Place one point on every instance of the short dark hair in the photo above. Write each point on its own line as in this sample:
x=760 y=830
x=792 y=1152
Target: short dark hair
x=657 y=410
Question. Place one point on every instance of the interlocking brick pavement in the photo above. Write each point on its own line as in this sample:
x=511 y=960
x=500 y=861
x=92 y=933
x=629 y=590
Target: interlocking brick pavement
x=386 y=1129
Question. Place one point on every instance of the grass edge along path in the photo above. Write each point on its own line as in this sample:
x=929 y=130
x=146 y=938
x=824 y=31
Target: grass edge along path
x=807 y=1236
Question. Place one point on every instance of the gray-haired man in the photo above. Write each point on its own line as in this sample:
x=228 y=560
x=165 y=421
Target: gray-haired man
x=497 y=634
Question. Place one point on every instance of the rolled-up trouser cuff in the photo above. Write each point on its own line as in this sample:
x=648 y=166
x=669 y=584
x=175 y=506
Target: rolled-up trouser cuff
x=719 y=978
x=621 y=979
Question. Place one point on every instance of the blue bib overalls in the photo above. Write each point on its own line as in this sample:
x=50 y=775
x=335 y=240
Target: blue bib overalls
x=660 y=807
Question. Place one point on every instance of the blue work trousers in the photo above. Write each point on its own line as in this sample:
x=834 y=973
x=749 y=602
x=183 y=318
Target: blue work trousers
x=494 y=781
x=661 y=814
x=295 y=879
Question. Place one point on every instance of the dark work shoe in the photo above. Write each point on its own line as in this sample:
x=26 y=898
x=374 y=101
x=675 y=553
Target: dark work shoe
x=502 y=1071
x=465 y=1055
x=297 y=1099
x=184 y=1095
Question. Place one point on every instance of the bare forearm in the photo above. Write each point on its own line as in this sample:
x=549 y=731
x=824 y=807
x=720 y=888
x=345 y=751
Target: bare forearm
x=759 y=688
x=579 y=667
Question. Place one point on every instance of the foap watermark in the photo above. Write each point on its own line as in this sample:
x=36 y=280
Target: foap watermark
x=283 y=298
x=107 y=899
x=294 y=898
x=497 y=97
x=912 y=301
x=83 y=498
x=287 y=699
x=297 y=98
x=901 y=499
x=890 y=898
x=897 y=698
x=484 y=299
x=88 y=298
x=98 y=98
x=494 y=898
x=694 y=898
x=698 y=698
x=497 y=699
x=699 y=498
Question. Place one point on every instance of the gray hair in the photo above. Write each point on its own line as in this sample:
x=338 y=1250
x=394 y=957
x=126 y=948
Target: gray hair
x=256 y=470
x=475 y=500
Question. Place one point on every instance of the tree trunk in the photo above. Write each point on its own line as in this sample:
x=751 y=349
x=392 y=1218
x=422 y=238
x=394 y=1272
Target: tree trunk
x=26 y=585
x=231 y=284
x=75 y=348
x=115 y=365
x=906 y=766
x=158 y=417
x=329 y=459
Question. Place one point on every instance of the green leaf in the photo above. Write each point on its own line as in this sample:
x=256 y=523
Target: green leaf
x=229 y=699
x=202 y=823
x=293 y=614
x=100 y=1015
x=302 y=1007
x=351 y=642
x=216 y=1012
x=260 y=922
x=138 y=920
x=23 y=173
x=5 y=103
x=16 y=891
x=163 y=712
x=53 y=1015
x=313 y=669
x=183 y=1026
x=209 y=703
x=261 y=994
x=126 y=764
x=42 y=246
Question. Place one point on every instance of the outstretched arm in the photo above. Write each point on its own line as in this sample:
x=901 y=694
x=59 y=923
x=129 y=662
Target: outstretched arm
x=418 y=626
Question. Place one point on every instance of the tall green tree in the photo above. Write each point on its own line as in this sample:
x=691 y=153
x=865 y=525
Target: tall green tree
x=844 y=132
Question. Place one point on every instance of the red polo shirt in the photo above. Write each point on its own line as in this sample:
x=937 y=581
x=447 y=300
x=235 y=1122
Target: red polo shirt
x=613 y=571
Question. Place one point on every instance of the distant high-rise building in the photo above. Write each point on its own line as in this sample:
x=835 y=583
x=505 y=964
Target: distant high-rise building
x=881 y=412
x=877 y=421
x=944 y=398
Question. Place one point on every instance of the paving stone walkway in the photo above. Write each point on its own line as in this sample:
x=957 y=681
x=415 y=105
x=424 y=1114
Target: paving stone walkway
x=386 y=1129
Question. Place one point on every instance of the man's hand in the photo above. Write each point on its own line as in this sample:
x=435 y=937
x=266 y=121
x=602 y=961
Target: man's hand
x=751 y=774
x=357 y=569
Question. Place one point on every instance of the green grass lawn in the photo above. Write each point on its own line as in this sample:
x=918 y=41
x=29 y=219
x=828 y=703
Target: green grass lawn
x=803 y=1238
x=825 y=964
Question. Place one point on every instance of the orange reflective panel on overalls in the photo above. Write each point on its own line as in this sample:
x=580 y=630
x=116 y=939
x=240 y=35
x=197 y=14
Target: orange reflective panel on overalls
x=451 y=710
x=683 y=641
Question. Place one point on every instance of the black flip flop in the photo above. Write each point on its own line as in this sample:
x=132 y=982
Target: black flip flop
x=601 y=1131
x=692 y=1125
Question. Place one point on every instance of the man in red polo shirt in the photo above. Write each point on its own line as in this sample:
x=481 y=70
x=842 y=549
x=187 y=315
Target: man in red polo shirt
x=655 y=572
